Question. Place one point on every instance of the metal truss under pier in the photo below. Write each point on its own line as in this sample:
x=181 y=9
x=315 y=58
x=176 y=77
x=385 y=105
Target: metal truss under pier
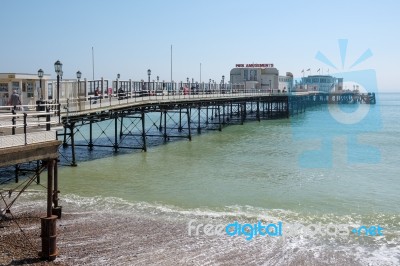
x=145 y=124
x=141 y=124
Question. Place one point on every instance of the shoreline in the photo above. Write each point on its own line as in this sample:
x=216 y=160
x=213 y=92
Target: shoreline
x=134 y=238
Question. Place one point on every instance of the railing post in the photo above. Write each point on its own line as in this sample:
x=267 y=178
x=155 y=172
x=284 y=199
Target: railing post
x=25 y=115
x=47 y=119
x=13 y=120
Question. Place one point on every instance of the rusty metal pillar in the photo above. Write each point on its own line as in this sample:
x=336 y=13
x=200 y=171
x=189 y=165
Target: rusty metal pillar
x=48 y=223
x=56 y=209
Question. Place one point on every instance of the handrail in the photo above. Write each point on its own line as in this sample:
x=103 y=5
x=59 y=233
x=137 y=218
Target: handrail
x=23 y=119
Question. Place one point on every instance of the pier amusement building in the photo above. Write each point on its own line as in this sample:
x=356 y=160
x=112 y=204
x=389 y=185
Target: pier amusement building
x=260 y=77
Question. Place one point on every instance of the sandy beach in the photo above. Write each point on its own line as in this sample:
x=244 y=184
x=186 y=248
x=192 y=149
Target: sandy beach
x=104 y=238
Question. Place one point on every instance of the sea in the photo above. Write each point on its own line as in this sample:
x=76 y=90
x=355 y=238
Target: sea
x=325 y=181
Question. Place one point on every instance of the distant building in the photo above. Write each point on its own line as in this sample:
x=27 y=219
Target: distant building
x=320 y=83
x=260 y=77
x=286 y=82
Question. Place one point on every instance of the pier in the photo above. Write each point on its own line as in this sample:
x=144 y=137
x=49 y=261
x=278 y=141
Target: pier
x=132 y=120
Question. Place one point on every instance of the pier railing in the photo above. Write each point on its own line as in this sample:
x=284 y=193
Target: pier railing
x=25 y=124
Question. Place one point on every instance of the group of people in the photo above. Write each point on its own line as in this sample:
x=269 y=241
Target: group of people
x=97 y=94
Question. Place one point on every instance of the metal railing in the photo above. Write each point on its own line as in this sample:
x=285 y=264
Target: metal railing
x=72 y=106
x=26 y=124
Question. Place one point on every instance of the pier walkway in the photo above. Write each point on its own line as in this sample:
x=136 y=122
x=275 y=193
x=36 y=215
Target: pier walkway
x=178 y=115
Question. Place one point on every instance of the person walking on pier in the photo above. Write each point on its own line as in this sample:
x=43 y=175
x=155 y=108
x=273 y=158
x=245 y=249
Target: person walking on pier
x=96 y=95
x=14 y=99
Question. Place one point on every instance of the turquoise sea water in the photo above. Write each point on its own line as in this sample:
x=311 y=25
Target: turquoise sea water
x=254 y=170
x=256 y=164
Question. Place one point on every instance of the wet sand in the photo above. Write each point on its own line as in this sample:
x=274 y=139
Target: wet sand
x=104 y=238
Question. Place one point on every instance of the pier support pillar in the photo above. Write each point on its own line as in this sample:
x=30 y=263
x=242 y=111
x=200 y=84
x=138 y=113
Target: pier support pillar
x=72 y=135
x=116 y=132
x=165 y=125
x=180 y=120
x=198 y=119
x=48 y=223
x=56 y=210
x=219 y=118
x=144 y=129
x=91 y=134
x=188 y=120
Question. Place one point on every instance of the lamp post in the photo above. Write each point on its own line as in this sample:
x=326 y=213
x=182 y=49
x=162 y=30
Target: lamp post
x=148 y=74
x=116 y=85
x=78 y=77
x=158 y=79
x=58 y=69
x=223 y=83
x=40 y=75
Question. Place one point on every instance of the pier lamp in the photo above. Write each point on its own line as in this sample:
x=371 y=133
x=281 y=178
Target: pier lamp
x=116 y=84
x=149 y=74
x=223 y=82
x=187 y=80
x=58 y=69
x=158 y=79
x=78 y=76
x=40 y=75
x=148 y=83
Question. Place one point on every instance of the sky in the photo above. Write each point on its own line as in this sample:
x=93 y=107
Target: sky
x=130 y=36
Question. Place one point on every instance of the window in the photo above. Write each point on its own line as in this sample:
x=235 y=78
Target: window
x=3 y=87
x=50 y=90
x=15 y=86
x=246 y=74
x=29 y=89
